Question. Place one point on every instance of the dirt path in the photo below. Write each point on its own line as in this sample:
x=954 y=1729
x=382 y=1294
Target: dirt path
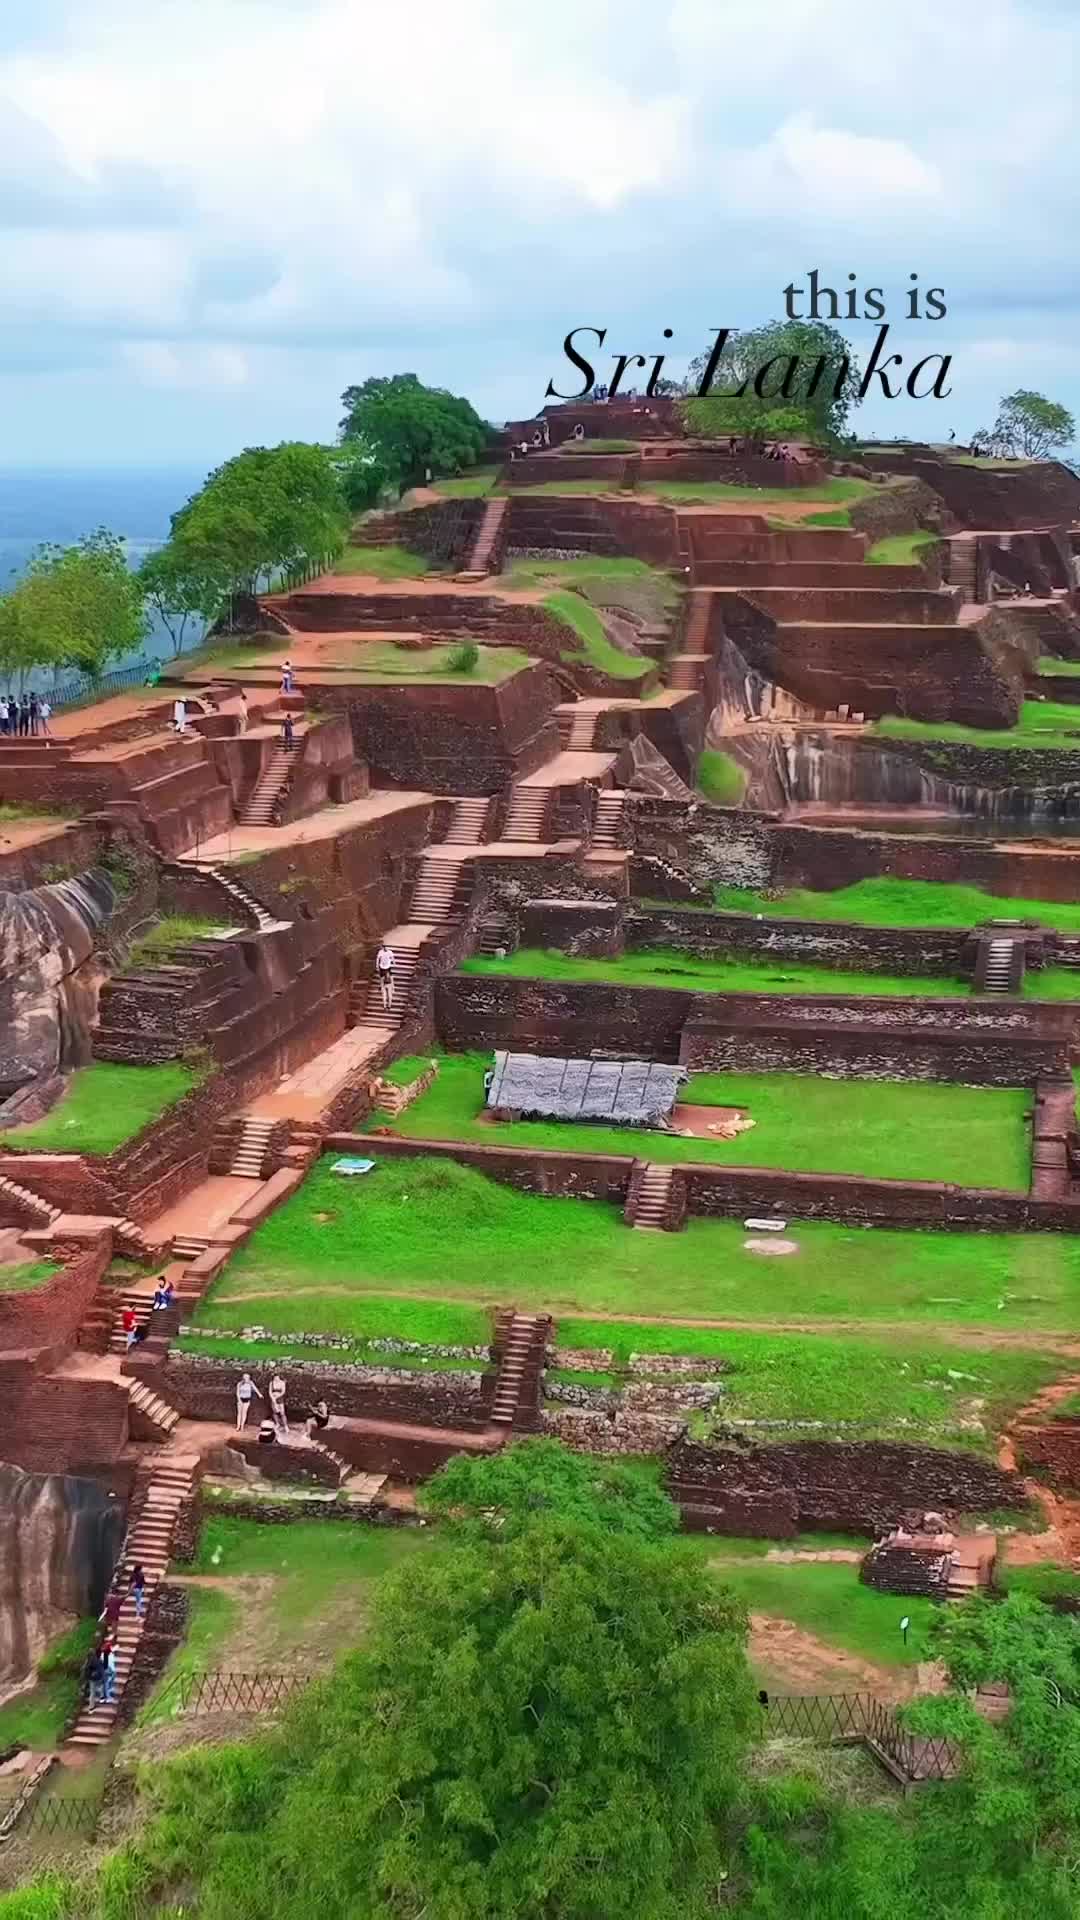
x=955 y=1333
x=798 y=1662
x=1060 y=1540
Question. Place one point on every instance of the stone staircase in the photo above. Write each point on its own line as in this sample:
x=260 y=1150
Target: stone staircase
x=26 y=1206
x=243 y=898
x=607 y=821
x=999 y=965
x=495 y=933
x=577 y=729
x=259 y=809
x=686 y=672
x=341 y=1467
x=249 y=1160
x=365 y=1001
x=482 y=557
x=435 y=892
x=148 y=1544
x=153 y=1410
x=188 y=1246
x=141 y=1305
x=521 y=1342
x=686 y=669
x=527 y=814
x=468 y=822
x=650 y=1198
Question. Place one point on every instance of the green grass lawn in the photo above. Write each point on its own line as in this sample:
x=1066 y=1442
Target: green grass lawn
x=384 y=563
x=591 y=643
x=900 y=549
x=27 y=1274
x=569 y=486
x=832 y=490
x=723 y=973
x=898 y=1130
x=1070 y=668
x=735 y=973
x=720 y=778
x=11 y=815
x=103 y=1105
x=603 y=580
x=467 y=486
x=828 y=1600
x=381 y=662
x=899 y=903
x=444 y=1237
x=175 y=930
x=1042 y=724
x=212 y=1616
x=38 y=1717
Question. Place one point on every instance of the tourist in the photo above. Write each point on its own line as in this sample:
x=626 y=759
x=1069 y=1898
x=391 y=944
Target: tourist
x=489 y=1081
x=3 y=714
x=288 y=733
x=138 y=1589
x=287 y=677
x=579 y=431
x=33 y=713
x=110 y=1615
x=278 y=1391
x=318 y=1419
x=129 y=1322
x=24 y=716
x=44 y=716
x=108 y=1675
x=163 y=1295
x=245 y=1387
x=384 y=974
x=95 y=1679
x=242 y=712
x=179 y=716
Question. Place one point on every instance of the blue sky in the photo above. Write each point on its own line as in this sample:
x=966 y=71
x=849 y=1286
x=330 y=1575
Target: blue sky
x=218 y=213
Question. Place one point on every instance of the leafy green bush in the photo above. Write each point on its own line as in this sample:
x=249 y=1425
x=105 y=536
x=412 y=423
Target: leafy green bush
x=463 y=658
x=720 y=778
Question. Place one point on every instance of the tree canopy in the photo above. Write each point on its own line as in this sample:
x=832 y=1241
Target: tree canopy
x=1028 y=426
x=522 y=1483
x=76 y=606
x=411 y=429
x=790 y=370
x=269 y=511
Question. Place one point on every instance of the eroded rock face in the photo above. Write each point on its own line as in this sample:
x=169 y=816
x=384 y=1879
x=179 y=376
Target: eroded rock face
x=49 y=981
x=59 y=1542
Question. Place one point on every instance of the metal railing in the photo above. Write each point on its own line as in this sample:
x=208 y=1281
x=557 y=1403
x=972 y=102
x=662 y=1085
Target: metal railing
x=84 y=687
x=833 y=1717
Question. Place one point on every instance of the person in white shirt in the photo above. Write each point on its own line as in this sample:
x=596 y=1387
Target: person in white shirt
x=384 y=973
x=245 y=1388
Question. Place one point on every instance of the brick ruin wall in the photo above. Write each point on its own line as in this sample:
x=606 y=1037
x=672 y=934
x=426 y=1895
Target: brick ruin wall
x=820 y=1486
x=205 y=1389
x=973 y=1043
x=455 y=739
x=50 y=1314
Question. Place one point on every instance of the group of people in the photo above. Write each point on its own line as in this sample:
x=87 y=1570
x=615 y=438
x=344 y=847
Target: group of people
x=25 y=714
x=134 y=1331
x=100 y=1671
x=276 y=1424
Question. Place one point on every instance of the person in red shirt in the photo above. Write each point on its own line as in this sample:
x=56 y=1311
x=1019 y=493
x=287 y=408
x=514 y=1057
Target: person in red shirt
x=128 y=1322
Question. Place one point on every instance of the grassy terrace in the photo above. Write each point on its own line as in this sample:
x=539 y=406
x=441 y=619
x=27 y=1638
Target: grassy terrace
x=726 y=973
x=168 y=934
x=445 y=1236
x=25 y=1275
x=898 y=903
x=834 y=490
x=1069 y=668
x=380 y=662
x=604 y=580
x=900 y=549
x=383 y=563
x=895 y=1130
x=734 y=973
x=591 y=645
x=1042 y=724
x=720 y=778
x=103 y=1106
x=351 y=1257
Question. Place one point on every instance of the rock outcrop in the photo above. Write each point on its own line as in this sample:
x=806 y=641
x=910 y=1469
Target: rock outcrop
x=49 y=981
x=59 y=1542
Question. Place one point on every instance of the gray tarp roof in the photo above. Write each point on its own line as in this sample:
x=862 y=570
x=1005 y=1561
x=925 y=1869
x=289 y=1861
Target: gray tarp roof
x=629 y=1092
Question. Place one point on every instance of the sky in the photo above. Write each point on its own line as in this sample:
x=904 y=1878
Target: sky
x=216 y=214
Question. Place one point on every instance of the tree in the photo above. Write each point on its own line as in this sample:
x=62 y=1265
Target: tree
x=363 y=475
x=76 y=606
x=268 y=511
x=519 y=1484
x=1029 y=426
x=791 y=369
x=553 y=1725
x=181 y=585
x=412 y=429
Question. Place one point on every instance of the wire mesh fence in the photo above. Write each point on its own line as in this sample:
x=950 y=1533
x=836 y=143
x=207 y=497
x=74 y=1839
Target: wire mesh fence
x=44 y=1818
x=225 y=1692
x=828 y=1717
